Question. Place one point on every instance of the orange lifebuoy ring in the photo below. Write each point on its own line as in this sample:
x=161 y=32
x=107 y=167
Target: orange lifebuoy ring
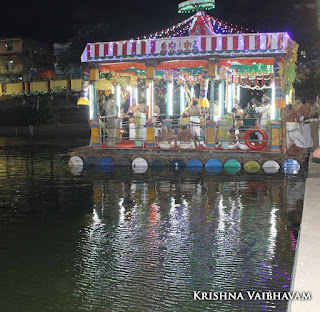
x=256 y=146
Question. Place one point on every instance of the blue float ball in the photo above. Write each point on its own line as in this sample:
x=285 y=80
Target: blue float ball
x=194 y=163
x=177 y=164
x=106 y=161
x=213 y=163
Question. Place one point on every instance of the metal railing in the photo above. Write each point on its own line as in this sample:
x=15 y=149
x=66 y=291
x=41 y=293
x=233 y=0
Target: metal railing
x=135 y=129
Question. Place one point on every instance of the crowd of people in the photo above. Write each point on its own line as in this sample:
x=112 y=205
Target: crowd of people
x=302 y=123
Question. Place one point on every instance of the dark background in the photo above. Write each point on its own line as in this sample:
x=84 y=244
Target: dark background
x=53 y=21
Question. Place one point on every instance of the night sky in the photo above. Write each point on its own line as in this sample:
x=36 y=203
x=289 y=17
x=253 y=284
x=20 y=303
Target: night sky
x=52 y=21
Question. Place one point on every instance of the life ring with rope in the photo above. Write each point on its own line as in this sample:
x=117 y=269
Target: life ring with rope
x=255 y=146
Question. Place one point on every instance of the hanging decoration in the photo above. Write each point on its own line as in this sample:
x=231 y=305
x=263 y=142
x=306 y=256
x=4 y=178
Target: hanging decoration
x=279 y=100
x=210 y=24
x=203 y=101
x=83 y=99
x=200 y=25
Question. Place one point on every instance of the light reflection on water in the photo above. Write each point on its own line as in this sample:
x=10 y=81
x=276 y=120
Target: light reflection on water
x=118 y=241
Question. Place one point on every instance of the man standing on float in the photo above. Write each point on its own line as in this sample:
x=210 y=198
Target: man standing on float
x=111 y=111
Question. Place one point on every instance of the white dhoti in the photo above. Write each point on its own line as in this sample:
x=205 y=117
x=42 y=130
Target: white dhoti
x=294 y=136
x=140 y=127
x=308 y=143
x=143 y=126
x=186 y=145
x=132 y=131
x=242 y=146
x=195 y=125
x=165 y=144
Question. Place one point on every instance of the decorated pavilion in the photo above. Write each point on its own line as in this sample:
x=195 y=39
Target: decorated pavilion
x=201 y=57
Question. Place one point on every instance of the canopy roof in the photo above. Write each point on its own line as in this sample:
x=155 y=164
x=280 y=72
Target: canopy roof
x=189 y=47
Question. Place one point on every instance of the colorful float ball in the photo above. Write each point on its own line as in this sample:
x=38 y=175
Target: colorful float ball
x=252 y=166
x=177 y=164
x=75 y=162
x=76 y=165
x=291 y=166
x=214 y=166
x=140 y=165
x=232 y=166
x=213 y=163
x=194 y=163
x=107 y=161
x=271 y=166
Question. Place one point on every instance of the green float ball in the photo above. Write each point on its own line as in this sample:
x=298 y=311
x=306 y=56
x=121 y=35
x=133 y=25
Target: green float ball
x=251 y=166
x=232 y=166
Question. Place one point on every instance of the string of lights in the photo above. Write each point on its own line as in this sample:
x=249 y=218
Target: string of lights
x=34 y=93
x=173 y=31
x=224 y=27
x=182 y=28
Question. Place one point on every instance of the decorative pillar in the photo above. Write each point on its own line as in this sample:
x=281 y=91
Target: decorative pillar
x=211 y=133
x=150 y=133
x=203 y=100
x=169 y=99
x=95 y=118
x=212 y=99
x=278 y=96
x=149 y=98
x=94 y=101
x=275 y=136
x=212 y=74
x=222 y=98
x=169 y=80
x=182 y=99
x=151 y=75
x=118 y=97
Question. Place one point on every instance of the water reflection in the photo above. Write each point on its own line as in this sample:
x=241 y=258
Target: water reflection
x=119 y=241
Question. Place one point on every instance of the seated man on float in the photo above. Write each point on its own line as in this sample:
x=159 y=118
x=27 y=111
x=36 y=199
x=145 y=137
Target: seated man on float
x=185 y=138
x=165 y=139
x=233 y=139
x=241 y=144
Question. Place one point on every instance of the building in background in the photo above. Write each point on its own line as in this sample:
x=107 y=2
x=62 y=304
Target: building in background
x=306 y=26
x=24 y=60
x=64 y=64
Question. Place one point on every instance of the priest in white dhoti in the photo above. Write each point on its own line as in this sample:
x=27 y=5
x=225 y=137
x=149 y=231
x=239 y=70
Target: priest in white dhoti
x=294 y=135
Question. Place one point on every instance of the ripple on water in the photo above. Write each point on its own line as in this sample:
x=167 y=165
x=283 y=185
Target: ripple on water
x=122 y=242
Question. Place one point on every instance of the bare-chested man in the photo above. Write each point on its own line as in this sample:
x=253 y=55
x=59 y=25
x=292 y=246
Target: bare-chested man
x=294 y=136
x=305 y=110
x=143 y=107
x=185 y=138
x=143 y=110
x=156 y=112
x=195 y=113
x=132 y=109
x=111 y=111
x=165 y=139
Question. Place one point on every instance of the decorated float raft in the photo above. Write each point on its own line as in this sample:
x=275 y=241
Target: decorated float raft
x=200 y=57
